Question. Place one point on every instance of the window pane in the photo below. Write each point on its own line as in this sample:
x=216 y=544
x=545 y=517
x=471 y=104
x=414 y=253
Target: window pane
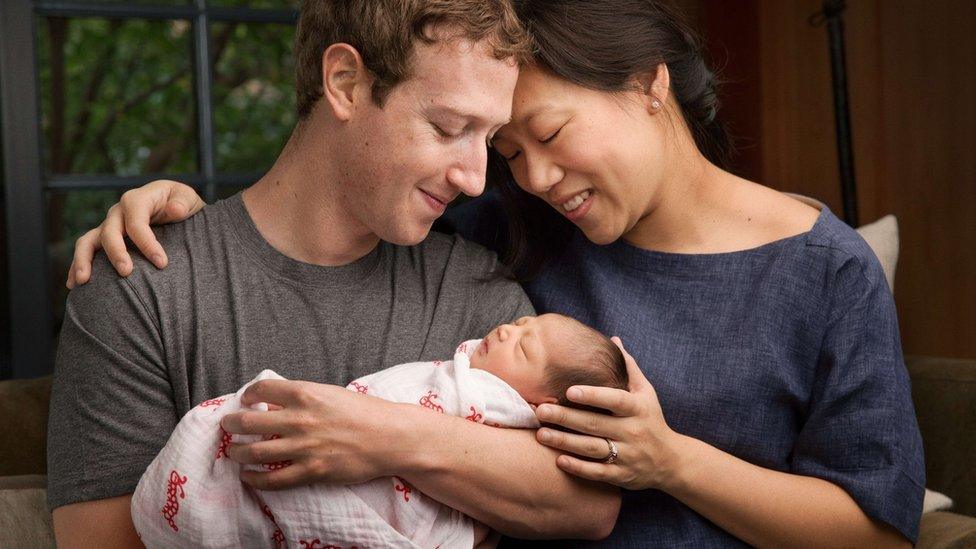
x=117 y=96
x=139 y=2
x=254 y=97
x=70 y=215
x=279 y=4
x=226 y=191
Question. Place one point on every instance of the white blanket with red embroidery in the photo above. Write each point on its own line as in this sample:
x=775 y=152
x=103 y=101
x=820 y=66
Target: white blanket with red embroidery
x=191 y=494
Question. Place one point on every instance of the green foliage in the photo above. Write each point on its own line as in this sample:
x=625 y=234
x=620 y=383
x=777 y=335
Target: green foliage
x=254 y=95
x=118 y=98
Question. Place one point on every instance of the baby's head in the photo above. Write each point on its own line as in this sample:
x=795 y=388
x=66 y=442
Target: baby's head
x=543 y=356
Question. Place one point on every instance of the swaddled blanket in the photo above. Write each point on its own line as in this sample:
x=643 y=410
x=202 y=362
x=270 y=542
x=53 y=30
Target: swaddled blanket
x=191 y=494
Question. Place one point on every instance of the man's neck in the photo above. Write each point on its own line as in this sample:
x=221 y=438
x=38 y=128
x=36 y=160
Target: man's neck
x=297 y=210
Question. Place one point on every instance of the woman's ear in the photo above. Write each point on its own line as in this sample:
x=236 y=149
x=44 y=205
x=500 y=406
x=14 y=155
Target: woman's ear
x=343 y=75
x=655 y=86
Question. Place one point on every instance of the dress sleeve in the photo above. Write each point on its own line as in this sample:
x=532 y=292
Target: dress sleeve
x=860 y=430
x=111 y=403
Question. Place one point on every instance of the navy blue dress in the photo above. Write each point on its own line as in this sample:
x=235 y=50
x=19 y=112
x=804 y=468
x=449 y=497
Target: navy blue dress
x=787 y=356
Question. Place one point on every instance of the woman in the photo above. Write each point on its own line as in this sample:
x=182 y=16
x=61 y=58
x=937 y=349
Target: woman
x=776 y=407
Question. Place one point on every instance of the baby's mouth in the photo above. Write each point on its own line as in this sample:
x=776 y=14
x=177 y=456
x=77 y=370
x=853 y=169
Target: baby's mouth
x=484 y=346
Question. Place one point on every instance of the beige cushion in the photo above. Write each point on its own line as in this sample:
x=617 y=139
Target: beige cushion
x=24 y=520
x=935 y=501
x=882 y=236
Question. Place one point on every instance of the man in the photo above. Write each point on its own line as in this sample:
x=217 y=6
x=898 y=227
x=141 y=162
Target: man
x=323 y=271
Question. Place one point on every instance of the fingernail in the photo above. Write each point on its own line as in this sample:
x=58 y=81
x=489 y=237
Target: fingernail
x=574 y=393
x=542 y=412
x=544 y=435
x=121 y=267
x=158 y=260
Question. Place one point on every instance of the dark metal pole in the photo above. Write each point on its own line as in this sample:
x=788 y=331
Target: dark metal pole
x=204 y=89
x=833 y=13
x=30 y=307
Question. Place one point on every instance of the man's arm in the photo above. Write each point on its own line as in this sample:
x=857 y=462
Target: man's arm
x=100 y=523
x=502 y=477
x=111 y=410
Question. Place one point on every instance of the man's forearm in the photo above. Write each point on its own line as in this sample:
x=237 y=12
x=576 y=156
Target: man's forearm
x=502 y=477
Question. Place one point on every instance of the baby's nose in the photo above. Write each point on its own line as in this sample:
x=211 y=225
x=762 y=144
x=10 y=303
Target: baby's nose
x=503 y=331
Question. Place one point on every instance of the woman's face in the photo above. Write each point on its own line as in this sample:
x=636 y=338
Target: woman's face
x=593 y=156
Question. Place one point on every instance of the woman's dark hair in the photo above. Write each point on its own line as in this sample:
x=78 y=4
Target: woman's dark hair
x=603 y=45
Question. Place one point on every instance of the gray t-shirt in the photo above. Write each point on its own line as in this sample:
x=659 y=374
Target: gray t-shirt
x=137 y=353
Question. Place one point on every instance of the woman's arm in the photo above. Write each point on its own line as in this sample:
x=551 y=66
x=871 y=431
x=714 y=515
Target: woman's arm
x=155 y=203
x=501 y=477
x=763 y=507
x=771 y=508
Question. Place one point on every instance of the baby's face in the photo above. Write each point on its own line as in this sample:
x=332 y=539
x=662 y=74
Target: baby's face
x=519 y=352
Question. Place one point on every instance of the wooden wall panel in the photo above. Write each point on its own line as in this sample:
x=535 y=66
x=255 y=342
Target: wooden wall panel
x=912 y=77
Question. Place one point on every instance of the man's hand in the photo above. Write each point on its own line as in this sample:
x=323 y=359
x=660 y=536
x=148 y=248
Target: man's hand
x=154 y=203
x=314 y=433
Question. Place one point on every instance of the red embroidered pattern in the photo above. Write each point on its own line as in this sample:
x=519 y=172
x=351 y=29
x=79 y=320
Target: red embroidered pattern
x=475 y=416
x=278 y=537
x=463 y=348
x=402 y=486
x=427 y=401
x=277 y=464
x=172 y=506
x=437 y=363
x=363 y=389
x=314 y=543
x=225 y=440
x=212 y=402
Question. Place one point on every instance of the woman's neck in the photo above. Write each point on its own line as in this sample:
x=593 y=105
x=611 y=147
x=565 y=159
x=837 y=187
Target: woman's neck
x=690 y=206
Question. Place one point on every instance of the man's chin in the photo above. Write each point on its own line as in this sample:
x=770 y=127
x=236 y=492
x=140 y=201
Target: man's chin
x=410 y=235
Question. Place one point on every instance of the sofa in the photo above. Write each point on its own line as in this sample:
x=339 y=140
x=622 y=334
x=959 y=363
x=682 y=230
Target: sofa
x=944 y=391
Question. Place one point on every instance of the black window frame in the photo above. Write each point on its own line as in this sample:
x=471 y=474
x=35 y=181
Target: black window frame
x=30 y=339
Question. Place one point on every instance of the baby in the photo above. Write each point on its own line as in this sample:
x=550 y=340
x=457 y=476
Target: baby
x=541 y=357
x=191 y=494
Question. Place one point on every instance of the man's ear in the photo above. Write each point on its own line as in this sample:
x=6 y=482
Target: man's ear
x=343 y=76
x=655 y=86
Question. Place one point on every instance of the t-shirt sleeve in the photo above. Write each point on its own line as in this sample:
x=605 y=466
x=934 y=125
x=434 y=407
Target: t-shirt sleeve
x=861 y=432
x=111 y=402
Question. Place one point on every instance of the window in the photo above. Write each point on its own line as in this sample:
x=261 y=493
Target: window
x=98 y=97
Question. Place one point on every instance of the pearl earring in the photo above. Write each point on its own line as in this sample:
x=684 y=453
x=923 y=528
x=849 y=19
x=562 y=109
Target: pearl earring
x=656 y=104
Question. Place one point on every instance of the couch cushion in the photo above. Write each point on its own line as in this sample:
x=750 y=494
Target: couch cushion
x=944 y=392
x=946 y=531
x=24 y=519
x=23 y=429
x=882 y=237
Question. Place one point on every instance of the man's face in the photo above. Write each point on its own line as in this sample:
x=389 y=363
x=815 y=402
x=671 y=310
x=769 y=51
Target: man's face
x=403 y=163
